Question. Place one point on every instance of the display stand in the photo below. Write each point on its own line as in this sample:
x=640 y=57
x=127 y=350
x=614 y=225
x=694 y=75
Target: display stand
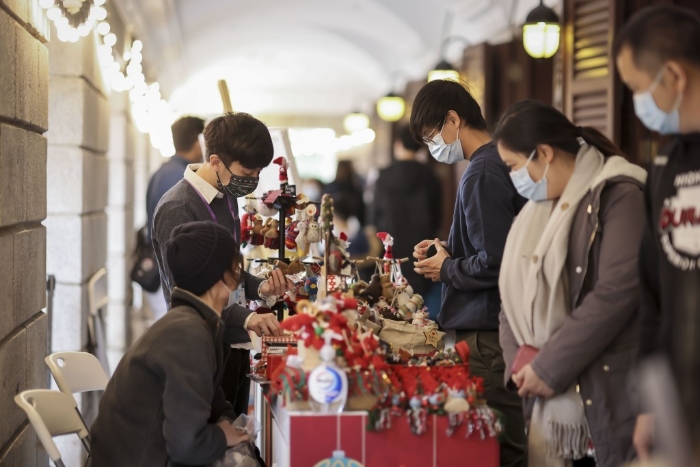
x=302 y=439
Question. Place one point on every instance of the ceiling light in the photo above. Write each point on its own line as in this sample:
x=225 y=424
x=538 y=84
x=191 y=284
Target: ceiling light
x=391 y=107
x=443 y=70
x=355 y=121
x=541 y=32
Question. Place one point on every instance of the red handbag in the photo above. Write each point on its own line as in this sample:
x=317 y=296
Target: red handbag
x=526 y=353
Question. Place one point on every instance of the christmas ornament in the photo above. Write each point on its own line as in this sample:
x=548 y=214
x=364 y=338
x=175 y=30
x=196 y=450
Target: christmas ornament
x=432 y=337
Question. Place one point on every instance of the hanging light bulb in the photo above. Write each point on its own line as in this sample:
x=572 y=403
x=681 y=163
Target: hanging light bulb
x=110 y=39
x=53 y=13
x=103 y=28
x=84 y=30
x=391 y=107
x=100 y=13
x=137 y=46
x=46 y=4
x=541 y=32
x=443 y=70
x=100 y=2
x=355 y=121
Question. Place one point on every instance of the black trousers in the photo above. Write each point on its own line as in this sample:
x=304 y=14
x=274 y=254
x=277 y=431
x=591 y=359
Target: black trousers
x=486 y=361
x=236 y=383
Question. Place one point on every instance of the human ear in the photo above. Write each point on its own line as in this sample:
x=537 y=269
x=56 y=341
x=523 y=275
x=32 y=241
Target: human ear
x=545 y=153
x=680 y=75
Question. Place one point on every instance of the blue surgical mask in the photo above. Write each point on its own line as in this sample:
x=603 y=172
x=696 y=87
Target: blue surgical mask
x=651 y=115
x=526 y=186
x=443 y=152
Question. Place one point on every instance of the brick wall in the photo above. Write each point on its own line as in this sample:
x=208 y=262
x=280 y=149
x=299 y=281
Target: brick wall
x=23 y=120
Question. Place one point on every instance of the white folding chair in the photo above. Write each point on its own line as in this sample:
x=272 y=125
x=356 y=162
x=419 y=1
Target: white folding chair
x=98 y=298
x=51 y=414
x=77 y=372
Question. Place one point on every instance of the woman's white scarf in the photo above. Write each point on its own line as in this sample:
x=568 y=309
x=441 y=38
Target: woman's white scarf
x=535 y=293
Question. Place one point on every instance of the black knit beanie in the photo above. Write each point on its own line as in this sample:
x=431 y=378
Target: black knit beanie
x=198 y=254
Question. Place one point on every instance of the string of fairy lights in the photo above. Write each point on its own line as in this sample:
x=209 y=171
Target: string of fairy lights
x=76 y=19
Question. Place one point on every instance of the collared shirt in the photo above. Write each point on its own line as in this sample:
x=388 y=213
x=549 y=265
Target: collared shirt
x=209 y=193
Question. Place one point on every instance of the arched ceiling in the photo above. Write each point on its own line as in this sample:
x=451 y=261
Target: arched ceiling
x=304 y=57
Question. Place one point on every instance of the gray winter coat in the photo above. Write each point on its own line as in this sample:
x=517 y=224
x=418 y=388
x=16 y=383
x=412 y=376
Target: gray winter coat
x=595 y=348
x=161 y=405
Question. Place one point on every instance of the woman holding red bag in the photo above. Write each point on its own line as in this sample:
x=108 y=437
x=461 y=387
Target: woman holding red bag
x=570 y=288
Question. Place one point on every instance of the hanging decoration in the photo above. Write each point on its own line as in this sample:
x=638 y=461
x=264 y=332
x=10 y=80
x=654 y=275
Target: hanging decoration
x=74 y=18
x=122 y=72
x=541 y=32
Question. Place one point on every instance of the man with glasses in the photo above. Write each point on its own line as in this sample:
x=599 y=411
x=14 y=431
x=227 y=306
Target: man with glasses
x=449 y=120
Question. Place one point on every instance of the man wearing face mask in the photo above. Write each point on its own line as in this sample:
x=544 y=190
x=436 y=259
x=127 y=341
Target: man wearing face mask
x=449 y=120
x=238 y=147
x=658 y=58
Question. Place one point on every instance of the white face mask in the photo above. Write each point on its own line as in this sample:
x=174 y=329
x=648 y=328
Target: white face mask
x=651 y=115
x=443 y=152
x=526 y=186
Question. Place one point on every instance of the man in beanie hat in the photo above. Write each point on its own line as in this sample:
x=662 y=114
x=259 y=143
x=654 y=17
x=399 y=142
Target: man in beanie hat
x=237 y=148
x=162 y=405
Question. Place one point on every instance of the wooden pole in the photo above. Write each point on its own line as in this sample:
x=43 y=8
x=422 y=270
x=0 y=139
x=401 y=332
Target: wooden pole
x=225 y=97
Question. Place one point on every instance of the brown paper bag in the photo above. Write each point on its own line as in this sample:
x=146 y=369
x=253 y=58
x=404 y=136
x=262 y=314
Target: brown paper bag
x=402 y=334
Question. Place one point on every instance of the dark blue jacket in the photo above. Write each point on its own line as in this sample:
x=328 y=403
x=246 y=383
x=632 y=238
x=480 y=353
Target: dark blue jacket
x=486 y=205
x=161 y=181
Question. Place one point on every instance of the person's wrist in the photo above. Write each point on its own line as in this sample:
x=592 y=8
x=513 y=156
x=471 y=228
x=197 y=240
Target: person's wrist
x=247 y=321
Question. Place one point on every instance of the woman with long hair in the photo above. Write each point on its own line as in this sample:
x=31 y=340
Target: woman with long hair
x=569 y=286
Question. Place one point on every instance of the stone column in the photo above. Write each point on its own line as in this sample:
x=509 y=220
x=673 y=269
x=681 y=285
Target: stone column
x=77 y=195
x=120 y=214
x=23 y=119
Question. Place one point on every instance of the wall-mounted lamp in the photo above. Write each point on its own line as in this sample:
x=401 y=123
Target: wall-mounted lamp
x=355 y=121
x=541 y=32
x=391 y=107
x=444 y=69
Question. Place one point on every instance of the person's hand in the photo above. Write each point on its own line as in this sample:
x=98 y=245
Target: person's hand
x=643 y=437
x=234 y=436
x=421 y=250
x=530 y=385
x=430 y=267
x=276 y=284
x=264 y=324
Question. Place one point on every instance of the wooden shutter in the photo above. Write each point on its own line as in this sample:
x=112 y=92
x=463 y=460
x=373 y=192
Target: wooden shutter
x=590 y=90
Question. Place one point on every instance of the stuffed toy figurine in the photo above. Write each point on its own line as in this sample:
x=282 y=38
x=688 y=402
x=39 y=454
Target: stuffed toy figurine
x=373 y=291
x=313 y=232
x=415 y=304
x=291 y=234
x=247 y=222
x=388 y=289
x=282 y=162
x=388 y=242
x=265 y=210
x=272 y=236
x=257 y=237
x=300 y=240
x=311 y=287
x=419 y=318
x=291 y=269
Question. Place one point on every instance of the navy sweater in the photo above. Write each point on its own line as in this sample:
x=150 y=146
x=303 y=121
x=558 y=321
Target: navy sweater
x=486 y=205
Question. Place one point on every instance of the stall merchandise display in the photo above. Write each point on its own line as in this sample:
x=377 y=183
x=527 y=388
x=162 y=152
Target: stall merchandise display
x=392 y=358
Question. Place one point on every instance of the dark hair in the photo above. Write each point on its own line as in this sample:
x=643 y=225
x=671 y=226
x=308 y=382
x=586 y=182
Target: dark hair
x=530 y=123
x=239 y=137
x=186 y=132
x=407 y=141
x=437 y=98
x=345 y=173
x=661 y=33
x=342 y=207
